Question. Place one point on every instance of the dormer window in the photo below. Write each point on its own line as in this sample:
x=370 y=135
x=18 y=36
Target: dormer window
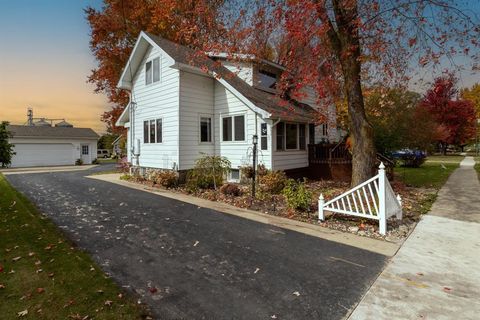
x=152 y=71
x=267 y=79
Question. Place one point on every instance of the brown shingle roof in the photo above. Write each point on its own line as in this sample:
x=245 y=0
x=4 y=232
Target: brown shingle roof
x=51 y=132
x=278 y=108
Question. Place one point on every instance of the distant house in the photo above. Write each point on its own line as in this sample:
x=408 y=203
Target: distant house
x=41 y=144
x=182 y=106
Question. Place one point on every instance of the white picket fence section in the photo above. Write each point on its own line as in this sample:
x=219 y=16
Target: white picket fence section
x=373 y=199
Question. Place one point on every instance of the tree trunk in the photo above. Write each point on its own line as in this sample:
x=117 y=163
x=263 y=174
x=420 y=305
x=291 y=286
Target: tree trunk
x=364 y=154
x=346 y=44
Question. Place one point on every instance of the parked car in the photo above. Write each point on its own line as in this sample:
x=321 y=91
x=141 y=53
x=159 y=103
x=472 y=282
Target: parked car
x=103 y=153
x=409 y=157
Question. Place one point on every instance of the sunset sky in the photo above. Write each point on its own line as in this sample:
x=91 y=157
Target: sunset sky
x=45 y=60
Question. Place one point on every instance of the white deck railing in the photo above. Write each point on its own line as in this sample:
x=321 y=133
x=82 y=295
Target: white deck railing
x=373 y=199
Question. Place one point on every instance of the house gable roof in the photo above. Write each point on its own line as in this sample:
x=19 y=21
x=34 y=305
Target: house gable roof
x=18 y=131
x=267 y=104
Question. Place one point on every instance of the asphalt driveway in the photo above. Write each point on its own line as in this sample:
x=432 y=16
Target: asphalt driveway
x=203 y=264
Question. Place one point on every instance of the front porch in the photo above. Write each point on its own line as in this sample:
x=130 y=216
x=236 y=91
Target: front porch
x=326 y=161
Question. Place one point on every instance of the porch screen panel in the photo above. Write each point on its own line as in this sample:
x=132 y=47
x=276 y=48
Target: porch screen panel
x=291 y=135
x=280 y=135
x=301 y=136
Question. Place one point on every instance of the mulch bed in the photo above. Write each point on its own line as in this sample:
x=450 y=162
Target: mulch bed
x=415 y=202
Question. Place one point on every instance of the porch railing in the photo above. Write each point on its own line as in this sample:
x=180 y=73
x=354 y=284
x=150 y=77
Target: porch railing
x=372 y=199
x=328 y=153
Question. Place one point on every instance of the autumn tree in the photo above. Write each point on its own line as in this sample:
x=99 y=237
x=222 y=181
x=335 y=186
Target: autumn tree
x=6 y=148
x=456 y=116
x=334 y=46
x=398 y=121
x=473 y=95
x=339 y=46
x=116 y=26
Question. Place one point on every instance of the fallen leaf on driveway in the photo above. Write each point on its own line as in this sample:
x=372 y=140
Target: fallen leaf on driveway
x=447 y=289
x=296 y=293
x=153 y=290
x=22 y=313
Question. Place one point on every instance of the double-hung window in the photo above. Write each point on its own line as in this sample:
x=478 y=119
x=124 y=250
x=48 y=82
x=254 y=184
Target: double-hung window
x=152 y=71
x=205 y=129
x=233 y=128
x=291 y=136
x=152 y=131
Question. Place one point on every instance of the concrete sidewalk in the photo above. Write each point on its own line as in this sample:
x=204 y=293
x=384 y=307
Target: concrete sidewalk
x=46 y=169
x=435 y=275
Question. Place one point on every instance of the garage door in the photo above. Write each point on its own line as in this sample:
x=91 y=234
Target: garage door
x=42 y=154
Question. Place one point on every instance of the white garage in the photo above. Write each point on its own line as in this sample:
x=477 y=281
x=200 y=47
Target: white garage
x=52 y=146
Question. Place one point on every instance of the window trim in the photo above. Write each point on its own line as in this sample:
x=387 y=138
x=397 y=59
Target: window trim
x=148 y=121
x=284 y=140
x=229 y=175
x=87 y=148
x=212 y=130
x=159 y=70
x=233 y=115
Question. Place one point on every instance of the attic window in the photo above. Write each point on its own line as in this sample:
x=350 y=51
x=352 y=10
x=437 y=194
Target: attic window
x=267 y=79
x=152 y=71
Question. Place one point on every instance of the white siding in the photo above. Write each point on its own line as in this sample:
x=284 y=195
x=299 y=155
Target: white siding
x=244 y=70
x=289 y=159
x=239 y=153
x=310 y=98
x=153 y=101
x=196 y=100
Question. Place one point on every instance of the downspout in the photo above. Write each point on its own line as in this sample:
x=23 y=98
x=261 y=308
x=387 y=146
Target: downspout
x=133 y=106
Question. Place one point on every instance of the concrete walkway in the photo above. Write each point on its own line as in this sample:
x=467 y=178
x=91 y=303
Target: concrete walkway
x=435 y=275
x=46 y=169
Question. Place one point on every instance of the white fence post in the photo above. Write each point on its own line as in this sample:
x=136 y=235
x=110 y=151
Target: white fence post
x=382 y=199
x=399 y=213
x=321 y=202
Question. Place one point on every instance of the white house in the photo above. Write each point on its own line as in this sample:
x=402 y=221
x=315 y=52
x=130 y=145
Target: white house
x=183 y=105
x=44 y=145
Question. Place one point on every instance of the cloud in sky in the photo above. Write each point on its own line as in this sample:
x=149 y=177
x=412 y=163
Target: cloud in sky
x=44 y=62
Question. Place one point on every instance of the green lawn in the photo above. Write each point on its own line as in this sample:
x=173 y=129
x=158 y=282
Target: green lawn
x=445 y=159
x=43 y=274
x=432 y=174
